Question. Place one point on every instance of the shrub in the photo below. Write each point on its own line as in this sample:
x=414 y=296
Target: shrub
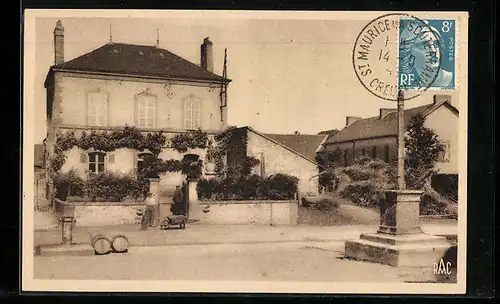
x=328 y=181
x=356 y=173
x=68 y=184
x=114 y=187
x=206 y=188
x=323 y=203
x=362 y=193
x=249 y=187
x=429 y=205
x=446 y=185
x=279 y=186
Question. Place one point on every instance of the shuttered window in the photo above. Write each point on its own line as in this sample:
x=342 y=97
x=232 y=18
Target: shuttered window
x=146 y=111
x=97 y=109
x=192 y=113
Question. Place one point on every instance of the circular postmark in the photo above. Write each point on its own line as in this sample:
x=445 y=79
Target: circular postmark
x=397 y=52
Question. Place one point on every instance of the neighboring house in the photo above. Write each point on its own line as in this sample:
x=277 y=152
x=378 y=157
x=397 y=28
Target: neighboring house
x=377 y=136
x=40 y=185
x=122 y=84
x=292 y=154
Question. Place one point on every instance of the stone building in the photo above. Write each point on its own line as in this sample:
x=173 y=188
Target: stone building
x=376 y=136
x=292 y=154
x=119 y=85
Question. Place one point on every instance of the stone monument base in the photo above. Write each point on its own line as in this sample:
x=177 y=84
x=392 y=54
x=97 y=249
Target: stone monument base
x=416 y=255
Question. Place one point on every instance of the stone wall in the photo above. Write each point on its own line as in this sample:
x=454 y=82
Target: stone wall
x=108 y=213
x=249 y=212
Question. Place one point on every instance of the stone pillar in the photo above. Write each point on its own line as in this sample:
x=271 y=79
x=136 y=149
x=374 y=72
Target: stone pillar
x=67 y=230
x=193 y=203
x=67 y=220
x=154 y=188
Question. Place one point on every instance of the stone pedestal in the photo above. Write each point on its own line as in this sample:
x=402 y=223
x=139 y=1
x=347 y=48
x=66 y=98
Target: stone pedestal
x=399 y=241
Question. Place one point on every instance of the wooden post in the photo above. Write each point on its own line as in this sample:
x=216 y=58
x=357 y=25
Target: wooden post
x=401 y=142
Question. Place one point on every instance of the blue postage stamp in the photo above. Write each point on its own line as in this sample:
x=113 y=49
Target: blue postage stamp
x=426 y=58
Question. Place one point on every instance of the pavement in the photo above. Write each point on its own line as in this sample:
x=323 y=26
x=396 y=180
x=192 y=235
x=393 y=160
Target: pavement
x=300 y=253
x=201 y=234
x=290 y=261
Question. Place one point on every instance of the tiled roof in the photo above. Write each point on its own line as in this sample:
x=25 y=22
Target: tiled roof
x=142 y=60
x=329 y=132
x=380 y=127
x=39 y=156
x=303 y=144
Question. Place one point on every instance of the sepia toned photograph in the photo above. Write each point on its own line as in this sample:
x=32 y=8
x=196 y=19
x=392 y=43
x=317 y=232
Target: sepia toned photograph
x=239 y=151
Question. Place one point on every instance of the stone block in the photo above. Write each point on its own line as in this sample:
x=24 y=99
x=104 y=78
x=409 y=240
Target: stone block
x=418 y=250
x=65 y=250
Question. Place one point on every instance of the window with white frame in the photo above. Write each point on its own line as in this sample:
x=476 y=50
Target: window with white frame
x=97 y=108
x=444 y=154
x=192 y=113
x=97 y=162
x=146 y=110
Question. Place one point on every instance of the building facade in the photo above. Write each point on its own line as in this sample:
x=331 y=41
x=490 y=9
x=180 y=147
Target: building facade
x=376 y=136
x=118 y=85
x=291 y=154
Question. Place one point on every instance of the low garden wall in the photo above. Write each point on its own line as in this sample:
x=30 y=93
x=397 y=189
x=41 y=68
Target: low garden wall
x=258 y=212
x=106 y=213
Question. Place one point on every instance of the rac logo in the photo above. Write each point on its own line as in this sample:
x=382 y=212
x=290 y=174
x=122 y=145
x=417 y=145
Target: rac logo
x=442 y=268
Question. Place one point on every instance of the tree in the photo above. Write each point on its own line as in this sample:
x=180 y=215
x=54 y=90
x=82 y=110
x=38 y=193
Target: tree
x=326 y=161
x=422 y=148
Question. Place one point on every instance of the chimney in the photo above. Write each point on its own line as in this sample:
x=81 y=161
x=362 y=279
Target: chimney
x=350 y=119
x=385 y=111
x=441 y=97
x=58 y=43
x=206 y=55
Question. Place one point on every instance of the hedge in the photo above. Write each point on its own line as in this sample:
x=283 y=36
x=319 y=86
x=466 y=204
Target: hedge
x=275 y=187
x=105 y=186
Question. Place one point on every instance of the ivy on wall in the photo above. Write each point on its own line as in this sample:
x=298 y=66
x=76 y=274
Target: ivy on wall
x=132 y=138
x=232 y=143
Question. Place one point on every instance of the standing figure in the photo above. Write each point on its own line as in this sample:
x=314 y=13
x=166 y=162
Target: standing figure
x=178 y=202
x=151 y=211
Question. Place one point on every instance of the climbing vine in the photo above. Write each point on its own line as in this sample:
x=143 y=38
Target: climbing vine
x=232 y=143
x=132 y=138
x=190 y=140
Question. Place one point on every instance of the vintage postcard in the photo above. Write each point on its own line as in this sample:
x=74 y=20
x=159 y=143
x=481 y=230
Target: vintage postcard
x=245 y=151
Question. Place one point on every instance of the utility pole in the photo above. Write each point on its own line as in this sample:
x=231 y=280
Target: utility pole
x=401 y=142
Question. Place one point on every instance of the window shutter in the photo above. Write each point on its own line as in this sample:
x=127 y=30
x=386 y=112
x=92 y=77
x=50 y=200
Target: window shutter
x=84 y=158
x=111 y=159
x=197 y=113
x=134 y=164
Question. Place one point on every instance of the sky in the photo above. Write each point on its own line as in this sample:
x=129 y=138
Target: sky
x=287 y=75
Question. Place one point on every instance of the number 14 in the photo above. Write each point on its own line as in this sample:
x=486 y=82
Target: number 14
x=384 y=56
